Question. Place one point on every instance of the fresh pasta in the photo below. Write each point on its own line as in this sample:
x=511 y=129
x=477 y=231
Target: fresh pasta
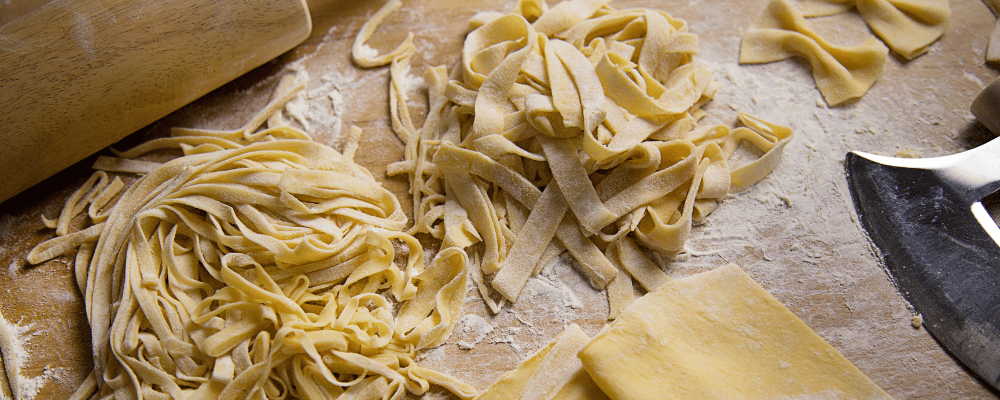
x=258 y=265
x=841 y=73
x=262 y=265
x=844 y=73
x=572 y=128
x=907 y=27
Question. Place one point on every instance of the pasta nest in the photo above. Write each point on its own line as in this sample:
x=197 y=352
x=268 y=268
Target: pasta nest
x=256 y=266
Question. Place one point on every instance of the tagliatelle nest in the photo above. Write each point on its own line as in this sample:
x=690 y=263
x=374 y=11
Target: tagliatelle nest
x=258 y=265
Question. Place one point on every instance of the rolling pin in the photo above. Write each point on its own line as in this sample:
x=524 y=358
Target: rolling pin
x=79 y=75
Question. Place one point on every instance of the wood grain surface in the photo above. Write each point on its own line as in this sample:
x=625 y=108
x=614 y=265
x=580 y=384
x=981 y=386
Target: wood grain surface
x=80 y=75
x=795 y=232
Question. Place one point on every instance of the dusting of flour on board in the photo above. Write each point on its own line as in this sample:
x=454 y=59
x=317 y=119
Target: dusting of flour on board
x=318 y=108
x=16 y=357
x=556 y=298
x=473 y=326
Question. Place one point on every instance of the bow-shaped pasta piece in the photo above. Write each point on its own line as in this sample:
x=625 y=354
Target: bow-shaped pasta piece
x=908 y=27
x=842 y=73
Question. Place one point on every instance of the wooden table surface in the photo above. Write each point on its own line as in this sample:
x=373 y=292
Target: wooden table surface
x=795 y=232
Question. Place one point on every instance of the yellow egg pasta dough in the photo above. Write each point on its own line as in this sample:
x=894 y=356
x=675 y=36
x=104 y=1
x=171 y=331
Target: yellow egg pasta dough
x=259 y=264
x=908 y=27
x=993 y=47
x=841 y=73
x=844 y=73
x=367 y=57
x=718 y=335
x=572 y=128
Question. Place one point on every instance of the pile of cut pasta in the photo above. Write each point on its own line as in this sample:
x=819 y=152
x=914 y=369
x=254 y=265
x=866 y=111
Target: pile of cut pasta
x=572 y=128
x=259 y=264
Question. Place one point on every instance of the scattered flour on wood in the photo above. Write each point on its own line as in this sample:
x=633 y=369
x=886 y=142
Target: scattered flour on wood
x=473 y=326
x=432 y=355
x=568 y=295
x=318 y=109
x=412 y=83
x=508 y=336
x=16 y=357
x=30 y=387
x=974 y=79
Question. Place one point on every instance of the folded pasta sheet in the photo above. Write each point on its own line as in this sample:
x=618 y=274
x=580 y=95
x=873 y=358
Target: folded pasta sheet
x=718 y=335
x=907 y=27
x=844 y=73
x=841 y=73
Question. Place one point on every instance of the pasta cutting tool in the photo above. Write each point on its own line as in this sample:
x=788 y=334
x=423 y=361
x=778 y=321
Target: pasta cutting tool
x=927 y=218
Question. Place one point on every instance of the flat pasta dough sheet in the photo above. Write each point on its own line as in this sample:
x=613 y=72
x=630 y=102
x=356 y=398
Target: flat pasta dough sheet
x=718 y=335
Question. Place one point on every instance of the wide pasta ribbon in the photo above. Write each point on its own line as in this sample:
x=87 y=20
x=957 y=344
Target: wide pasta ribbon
x=908 y=27
x=841 y=73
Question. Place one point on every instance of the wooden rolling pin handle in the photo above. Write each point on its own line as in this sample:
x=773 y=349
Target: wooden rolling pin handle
x=79 y=75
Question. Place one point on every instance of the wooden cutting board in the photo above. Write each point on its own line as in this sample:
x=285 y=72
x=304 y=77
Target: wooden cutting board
x=794 y=233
